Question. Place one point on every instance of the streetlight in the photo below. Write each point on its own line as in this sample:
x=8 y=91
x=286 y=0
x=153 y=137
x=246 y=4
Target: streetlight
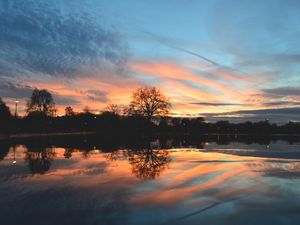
x=14 y=161
x=16 y=108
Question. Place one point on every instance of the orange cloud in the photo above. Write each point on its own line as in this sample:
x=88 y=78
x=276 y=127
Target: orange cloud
x=185 y=86
x=180 y=84
x=174 y=71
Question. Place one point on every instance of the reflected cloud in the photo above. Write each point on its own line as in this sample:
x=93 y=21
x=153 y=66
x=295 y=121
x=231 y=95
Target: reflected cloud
x=132 y=184
x=277 y=168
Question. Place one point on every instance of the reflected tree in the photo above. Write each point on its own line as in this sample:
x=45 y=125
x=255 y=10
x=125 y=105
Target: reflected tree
x=68 y=153
x=114 y=155
x=148 y=163
x=40 y=161
x=4 y=149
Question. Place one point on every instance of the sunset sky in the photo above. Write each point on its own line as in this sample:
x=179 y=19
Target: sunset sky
x=221 y=59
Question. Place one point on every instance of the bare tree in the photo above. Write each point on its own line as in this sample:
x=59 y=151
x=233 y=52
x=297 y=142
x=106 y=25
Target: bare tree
x=113 y=108
x=41 y=102
x=149 y=102
x=86 y=110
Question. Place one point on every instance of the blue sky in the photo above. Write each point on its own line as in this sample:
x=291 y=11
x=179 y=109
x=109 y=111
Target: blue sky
x=221 y=59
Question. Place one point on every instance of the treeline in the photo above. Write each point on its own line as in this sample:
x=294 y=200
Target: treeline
x=147 y=113
x=120 y=124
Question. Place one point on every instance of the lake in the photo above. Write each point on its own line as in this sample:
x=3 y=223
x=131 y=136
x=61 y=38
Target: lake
x=134 y=181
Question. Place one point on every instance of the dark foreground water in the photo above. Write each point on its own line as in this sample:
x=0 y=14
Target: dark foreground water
x=141 y=182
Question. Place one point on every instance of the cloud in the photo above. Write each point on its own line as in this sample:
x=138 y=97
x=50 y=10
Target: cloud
x=282 y=92
x=10 y=90
x=259 y=37
x=217 y=104
x=287 y=57
x=69 y=49
x=281 y=115
x=41 y=37
x=23 y=91
x=64 y=100
x=281 y=103
x=97 y=95
x=172 y=71
x=281 y=111
x=186 y=84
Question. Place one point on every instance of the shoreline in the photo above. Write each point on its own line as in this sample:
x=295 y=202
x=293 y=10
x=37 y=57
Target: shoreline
x=85 y=133
x=30 y=135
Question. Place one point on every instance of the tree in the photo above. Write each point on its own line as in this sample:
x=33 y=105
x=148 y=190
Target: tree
x=87 y=110
x=149 y=102
x=69 y=111
x=113 y=109
x=41 y=103
x=4 y=111
x=5 y=117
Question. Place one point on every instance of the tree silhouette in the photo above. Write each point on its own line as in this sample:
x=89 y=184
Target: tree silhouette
x=5 y=118
x=113 y=108
x=41 y=103
x=149 y=102
x=87 y=110
x=5 y=114
x=69 y=111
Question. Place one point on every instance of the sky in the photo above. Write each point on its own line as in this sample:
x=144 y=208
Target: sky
x=220 y=59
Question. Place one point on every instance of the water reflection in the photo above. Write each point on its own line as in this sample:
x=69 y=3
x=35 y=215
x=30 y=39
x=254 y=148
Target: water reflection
x=145 y=163
x=149 y=181
x=4 y=149
x=147 y=157
x=148 y=163
x=68 y=153
x=39 y=160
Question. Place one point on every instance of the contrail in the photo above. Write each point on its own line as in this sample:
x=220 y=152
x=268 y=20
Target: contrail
x=195 y=54
x=166 y=42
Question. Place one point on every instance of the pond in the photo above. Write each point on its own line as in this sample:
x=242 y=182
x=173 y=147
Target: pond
x=86 y=181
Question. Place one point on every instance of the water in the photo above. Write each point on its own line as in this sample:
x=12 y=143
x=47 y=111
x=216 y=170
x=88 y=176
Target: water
x=93 y=181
